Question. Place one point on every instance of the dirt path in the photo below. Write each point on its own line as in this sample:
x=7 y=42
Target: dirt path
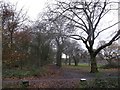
x=66 y=78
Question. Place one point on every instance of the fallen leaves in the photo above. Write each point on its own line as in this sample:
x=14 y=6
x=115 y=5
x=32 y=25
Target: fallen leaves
x=59 y=78
x=57 y=83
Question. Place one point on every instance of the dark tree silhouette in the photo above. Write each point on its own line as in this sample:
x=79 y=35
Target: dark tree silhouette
x=86 y=17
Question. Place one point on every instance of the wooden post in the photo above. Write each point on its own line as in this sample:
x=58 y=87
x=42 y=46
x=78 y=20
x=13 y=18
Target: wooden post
x=24 y=83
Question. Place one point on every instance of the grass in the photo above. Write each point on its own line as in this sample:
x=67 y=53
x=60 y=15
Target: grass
x=82 y=65
x=100 y=83
x=85 y=68
x=11 y=85
x=26 y=72
x=7 y=73
x=108 y=66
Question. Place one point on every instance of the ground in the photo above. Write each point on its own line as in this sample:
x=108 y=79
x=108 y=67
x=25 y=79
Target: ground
x=65 y=77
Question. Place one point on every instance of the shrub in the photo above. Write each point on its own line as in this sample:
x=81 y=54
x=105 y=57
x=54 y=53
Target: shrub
x=101 y=83
x=106 y=83
x=108 y=66
x=23 y=72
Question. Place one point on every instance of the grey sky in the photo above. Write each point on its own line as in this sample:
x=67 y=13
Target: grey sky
x=34 y=7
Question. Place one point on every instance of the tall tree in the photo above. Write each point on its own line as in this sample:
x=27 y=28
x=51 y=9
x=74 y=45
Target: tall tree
x=86 y=17
x=58 y=29
x=41 y=43
x=11 y=21
x=22 y=41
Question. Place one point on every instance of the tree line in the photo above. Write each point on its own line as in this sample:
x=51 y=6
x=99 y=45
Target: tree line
x=58 y=30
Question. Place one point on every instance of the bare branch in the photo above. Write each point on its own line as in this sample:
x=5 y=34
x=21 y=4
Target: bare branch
x=99 y=18
x=116 y=37
x=106 y=29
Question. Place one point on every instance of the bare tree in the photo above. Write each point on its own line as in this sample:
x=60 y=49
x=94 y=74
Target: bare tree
x=41 y=43
x=12 y=20
x=58 y=29
x=110 y=53
x=86 y=17
x=73 y=50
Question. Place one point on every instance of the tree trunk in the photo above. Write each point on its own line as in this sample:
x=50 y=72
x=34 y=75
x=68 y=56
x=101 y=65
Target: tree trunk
x=76 y=64
x=11 y=49
x=58 y=58
x=66 y=60
x=39 y=62
x=69 y=60
x=75 y=60
x=109 y=61
x=94 y=68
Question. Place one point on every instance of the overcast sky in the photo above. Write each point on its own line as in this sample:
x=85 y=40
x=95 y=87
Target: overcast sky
x=34 y=7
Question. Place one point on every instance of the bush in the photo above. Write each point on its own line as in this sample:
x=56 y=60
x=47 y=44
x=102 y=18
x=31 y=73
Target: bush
x=106 y=83
x=23 y=72
x=108 y=66
x=101 y=83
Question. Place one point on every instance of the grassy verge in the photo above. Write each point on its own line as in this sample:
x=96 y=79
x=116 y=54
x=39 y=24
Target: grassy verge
x=100 y=83
x=8 y=73
x=82 y=65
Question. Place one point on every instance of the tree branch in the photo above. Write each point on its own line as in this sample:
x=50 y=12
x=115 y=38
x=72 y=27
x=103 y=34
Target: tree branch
x=106 y=29
x=116 y=37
